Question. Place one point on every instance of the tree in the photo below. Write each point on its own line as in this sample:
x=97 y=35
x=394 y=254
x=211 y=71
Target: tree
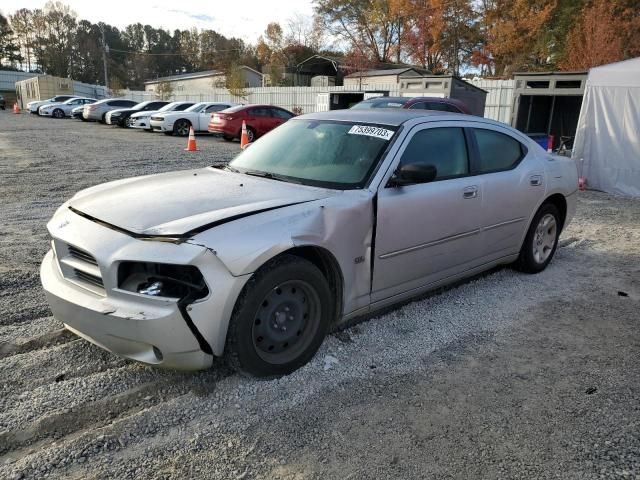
x=597 y=38
x=235 y=82
x=512 y=34
x=164 y=90
x=22 y=25
x=115 y=86
x=421 y=34
x=372 y=26
x=9 y=50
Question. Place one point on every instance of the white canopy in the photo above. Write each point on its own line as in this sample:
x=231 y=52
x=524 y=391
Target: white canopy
x=607 y=143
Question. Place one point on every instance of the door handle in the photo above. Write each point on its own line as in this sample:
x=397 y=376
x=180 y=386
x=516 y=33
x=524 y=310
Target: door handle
x=535 y=180
x=470 y=192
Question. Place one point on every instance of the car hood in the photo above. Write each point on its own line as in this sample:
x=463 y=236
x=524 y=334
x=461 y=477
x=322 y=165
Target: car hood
x=51 y=105
x=179 y=204
x=119 y=111
x=173 y=115
x=146 y=113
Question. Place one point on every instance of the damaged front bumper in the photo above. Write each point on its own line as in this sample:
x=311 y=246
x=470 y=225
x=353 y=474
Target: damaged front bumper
x=80 y=278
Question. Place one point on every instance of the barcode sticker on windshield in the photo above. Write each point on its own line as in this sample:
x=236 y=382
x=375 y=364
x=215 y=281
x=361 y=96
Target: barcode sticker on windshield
x=371 y=131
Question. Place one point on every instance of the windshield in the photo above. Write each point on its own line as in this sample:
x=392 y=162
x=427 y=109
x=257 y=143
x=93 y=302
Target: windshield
x=197 y=107
x=330 y=154
x=389 y=103
x=169 y=106
x=140 y=105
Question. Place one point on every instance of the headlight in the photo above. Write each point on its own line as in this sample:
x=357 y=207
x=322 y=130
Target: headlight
x=162 y=280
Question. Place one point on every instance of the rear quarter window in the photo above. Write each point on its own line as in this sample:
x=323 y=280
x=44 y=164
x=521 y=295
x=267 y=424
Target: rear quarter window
x=497 y=151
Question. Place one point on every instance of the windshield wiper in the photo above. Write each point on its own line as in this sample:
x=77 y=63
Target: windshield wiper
x=269 y=175
x=231 y=169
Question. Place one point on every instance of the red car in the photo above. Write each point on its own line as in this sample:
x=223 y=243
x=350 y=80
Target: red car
x=259 y=119
x=421 y=103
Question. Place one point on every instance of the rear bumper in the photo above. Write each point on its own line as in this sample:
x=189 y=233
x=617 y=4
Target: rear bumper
x=223 y=129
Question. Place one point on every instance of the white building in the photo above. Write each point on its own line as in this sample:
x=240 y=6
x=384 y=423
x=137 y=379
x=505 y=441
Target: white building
x=204 y=81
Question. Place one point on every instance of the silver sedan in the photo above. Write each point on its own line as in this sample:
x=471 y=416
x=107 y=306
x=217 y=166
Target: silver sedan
x=61 y=110
x=329 y=217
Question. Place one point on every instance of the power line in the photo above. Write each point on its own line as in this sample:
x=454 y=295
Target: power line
x=173 y=54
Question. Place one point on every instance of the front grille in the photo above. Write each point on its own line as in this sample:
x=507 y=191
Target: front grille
x=81 y=255
x=87 y=277
x=79 y=267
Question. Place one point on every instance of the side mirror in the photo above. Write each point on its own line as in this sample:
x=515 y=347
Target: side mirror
x=413 y=174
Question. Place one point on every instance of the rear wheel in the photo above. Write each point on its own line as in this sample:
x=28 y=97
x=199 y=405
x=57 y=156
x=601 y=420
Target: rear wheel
x=181 y=128
x=57 y=113
x=541 y=241
x=251 y=134
x=280 y=318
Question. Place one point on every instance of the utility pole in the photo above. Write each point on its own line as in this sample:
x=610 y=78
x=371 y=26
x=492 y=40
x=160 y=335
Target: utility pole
x=105 y=50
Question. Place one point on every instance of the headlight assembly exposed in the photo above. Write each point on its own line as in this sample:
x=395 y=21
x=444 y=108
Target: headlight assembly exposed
x=162 y=280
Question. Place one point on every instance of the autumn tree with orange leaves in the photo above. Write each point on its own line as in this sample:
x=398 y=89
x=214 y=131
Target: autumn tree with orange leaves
x=598 y=36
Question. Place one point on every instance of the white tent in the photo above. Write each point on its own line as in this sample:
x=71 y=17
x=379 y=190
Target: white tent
x=607 y=143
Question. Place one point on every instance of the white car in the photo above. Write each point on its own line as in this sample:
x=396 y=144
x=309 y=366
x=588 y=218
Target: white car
x=196 y=116
x=141 y=119
x=36 y=104
x=61 y=110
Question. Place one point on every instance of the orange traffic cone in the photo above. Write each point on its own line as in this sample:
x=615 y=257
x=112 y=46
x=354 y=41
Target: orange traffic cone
x=191 y=143
x=244 y=138
x=16 y=108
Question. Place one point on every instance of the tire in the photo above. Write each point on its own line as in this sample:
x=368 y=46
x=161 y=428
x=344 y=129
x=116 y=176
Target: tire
x=251 y=134
x=104 y=118
x=181 y=128
x=228 y=138
x=57 y=113
x=294 y=296
x=541 y=241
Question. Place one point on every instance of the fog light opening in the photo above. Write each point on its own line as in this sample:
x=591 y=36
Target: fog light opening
x=150 y=288
x=158 y=354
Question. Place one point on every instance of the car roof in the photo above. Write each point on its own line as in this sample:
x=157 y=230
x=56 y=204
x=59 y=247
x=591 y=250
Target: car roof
x=386 y=99
x=396 y=117
x=261 y=105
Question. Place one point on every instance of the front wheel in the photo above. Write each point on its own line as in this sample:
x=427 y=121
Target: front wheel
x=280 y=319
x=541 y=241
x=57 y=113
x=181 y=128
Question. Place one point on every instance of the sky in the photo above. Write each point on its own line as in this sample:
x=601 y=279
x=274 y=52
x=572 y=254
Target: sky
x=245 y=19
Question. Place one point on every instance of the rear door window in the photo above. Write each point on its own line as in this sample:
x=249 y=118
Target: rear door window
x=216 y=108
x=445 y=148
x=279 y=113
x=260 y=112
x=496 y=151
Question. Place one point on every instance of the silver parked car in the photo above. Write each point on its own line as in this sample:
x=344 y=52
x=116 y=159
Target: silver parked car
x=35 y=105
x=61 y=110
x=328 y=217
x=97 y=111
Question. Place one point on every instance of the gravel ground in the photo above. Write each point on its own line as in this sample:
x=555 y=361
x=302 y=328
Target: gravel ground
x=504 y=376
